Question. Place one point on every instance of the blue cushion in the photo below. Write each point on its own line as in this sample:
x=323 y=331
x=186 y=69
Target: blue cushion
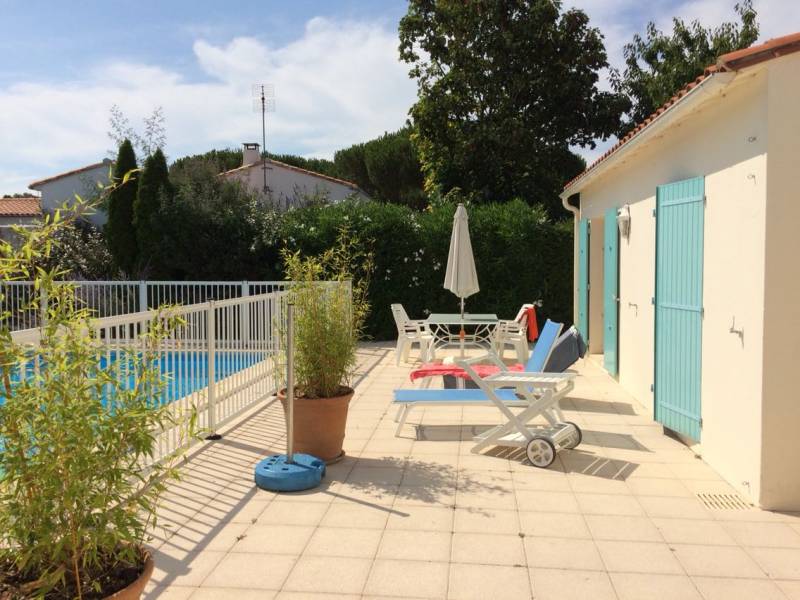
x=543 y=347
x=453 y=396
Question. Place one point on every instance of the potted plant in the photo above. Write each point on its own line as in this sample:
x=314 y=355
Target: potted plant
x=78 y=487
x=329 y=293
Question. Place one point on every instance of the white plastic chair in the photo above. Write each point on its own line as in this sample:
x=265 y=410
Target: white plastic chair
x=410 y=332
x=513 y=333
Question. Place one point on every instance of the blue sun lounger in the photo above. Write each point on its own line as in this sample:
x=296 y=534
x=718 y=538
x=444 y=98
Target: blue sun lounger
x=408 y=399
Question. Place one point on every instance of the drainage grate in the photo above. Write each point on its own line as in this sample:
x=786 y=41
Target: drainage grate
x=724 y=501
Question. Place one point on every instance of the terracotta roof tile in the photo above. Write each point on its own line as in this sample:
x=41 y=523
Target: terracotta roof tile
x=27 y=206
x=733 y=61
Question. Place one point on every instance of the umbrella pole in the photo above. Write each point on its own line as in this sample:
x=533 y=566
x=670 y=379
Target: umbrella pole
x=462 y=333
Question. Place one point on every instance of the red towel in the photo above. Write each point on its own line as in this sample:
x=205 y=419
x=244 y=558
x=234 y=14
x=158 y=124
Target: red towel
x=533 y=326
x=434 y=369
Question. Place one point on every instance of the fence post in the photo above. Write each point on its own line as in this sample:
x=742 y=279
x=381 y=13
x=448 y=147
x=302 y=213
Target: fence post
x=212 y=391
x=142 y=296
x=43 y=307
x=244 y=315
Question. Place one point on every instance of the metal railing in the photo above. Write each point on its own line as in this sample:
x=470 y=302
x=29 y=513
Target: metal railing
x=112 y=298
x=221 y=359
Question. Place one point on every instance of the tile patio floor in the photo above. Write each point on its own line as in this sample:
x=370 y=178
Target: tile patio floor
x=422 y=517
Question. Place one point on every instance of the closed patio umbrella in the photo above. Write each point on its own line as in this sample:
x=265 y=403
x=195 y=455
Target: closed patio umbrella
x=461 y=277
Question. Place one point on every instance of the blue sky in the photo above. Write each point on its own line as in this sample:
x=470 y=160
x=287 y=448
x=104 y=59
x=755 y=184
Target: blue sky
x=334 y=65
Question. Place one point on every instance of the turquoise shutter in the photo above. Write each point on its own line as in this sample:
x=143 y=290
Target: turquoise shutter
x=583 y=278
x=610 y=291
x=679 y=305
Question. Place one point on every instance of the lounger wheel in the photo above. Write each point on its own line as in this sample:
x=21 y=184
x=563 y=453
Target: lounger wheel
x=578 y=436
x=541 y=452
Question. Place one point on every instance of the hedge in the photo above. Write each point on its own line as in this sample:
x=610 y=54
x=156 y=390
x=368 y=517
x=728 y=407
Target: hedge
x=520 y=256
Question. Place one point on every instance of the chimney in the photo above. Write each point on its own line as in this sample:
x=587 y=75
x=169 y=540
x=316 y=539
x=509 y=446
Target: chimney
x=251 y=153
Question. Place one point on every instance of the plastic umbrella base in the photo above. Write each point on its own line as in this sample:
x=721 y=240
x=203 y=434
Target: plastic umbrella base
x=277 y=474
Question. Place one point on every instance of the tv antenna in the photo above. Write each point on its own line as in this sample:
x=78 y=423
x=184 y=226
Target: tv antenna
x=264 y=102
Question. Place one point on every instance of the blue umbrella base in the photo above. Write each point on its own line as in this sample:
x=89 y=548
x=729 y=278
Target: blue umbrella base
x=276 y=474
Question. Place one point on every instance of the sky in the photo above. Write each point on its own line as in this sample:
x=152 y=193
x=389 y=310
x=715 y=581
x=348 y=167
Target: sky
x=334 y=65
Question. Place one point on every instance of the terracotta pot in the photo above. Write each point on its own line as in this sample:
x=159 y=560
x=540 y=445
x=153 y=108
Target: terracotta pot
x=134 y=590
x=319 y=424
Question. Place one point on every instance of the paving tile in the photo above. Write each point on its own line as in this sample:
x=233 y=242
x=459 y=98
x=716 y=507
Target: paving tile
x=421 y=518
x=717 y=561
x=550 y=524
x=329 y=574
x=560 y=553
x=693 y=531
x=681 y=508
x=715 y=588
x=247 y=570
x=404 y=544
x=356 y=515
x=546 y=501
x=275 y=539
x=343 y=541
x=646 y=486
x=769 y=535
x=209 y=593
x=589 y=484
x=790 y=588
x=779 y=563
x=173 y=592
x=486 y=521
x=488 y=548
x=479 y=582
x=292 y=513
x=609 y=504
x=184 y=568
x=638 y=557
x=285 y=595
x=649 y=586
x=408 y=579
x=557 y=584
x=614 y=527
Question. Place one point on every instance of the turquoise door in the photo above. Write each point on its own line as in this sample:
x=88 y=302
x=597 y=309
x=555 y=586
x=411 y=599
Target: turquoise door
x=610 y=291
x=679 y=305
x=583 y=278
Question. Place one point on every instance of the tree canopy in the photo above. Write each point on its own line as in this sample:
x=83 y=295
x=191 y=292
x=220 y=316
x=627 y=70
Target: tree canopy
x=505 y=88
x=154 y=190
x=120 y=231
x=658 y=65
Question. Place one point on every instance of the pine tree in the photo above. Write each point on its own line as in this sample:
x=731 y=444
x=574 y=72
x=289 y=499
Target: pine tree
x=119 y=230
x=155 y=189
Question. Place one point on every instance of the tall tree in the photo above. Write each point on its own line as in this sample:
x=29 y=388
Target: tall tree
x=154 y=191
x=658 y=65
x=119 y=229
x=505 y=88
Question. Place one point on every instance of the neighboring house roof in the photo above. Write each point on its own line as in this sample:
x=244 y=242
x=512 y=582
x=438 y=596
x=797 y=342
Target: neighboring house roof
x=349 y=184
x=35 y=185
x=27 y=206
x=726 y=63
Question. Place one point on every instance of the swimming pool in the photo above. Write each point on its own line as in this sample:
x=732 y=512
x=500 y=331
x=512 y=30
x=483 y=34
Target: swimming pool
x=182 y=372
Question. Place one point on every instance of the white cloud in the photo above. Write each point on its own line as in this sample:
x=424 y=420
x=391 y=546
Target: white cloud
x=337 y=84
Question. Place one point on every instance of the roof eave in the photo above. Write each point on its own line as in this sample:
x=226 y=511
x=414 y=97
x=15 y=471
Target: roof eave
x=699 y=94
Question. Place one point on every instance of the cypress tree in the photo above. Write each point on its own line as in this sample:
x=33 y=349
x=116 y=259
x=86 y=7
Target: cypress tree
x=155 y=189
x=119 y=229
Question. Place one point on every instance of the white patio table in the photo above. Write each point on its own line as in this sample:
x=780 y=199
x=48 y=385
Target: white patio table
x=481 y=326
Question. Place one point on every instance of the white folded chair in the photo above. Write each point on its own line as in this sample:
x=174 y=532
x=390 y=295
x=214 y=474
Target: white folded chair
x=410 y=332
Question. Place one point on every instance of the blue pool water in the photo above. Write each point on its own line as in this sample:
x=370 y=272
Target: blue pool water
x=182 y=372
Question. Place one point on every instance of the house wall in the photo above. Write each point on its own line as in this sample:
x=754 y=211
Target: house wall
x=724 y=140
x=780 y=482
x=289 y=187
x=55 y=193
x=6 y=223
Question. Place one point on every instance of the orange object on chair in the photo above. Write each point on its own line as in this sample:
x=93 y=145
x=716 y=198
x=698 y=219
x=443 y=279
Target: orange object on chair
x=533 y=326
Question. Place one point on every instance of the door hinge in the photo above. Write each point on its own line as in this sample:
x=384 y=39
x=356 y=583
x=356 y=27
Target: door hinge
x=653 y=300
x=701 y=422
x=652 y=388
x=654 y=212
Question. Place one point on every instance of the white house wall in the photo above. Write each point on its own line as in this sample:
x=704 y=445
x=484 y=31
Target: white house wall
x=725 y=141
x=289 y=187
x=55 y=193
x=780 y=485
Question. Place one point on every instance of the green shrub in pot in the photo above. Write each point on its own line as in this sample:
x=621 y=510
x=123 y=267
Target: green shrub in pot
x=78 y=487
